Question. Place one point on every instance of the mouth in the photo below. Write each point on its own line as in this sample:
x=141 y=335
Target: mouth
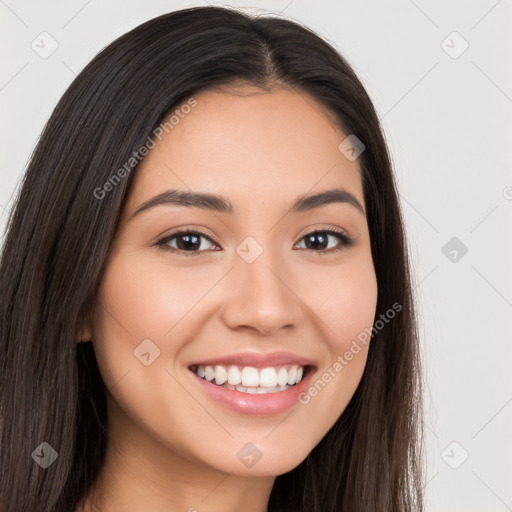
x=254 y=383
x=251 y=379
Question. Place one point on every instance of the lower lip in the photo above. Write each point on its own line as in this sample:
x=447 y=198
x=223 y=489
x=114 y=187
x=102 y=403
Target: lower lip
x=259 y=405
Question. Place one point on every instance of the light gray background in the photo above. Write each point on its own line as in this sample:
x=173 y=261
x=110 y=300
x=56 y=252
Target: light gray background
x=448 y=124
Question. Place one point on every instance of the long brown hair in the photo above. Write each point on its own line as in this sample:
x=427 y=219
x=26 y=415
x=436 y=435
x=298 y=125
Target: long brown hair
x=59 y=235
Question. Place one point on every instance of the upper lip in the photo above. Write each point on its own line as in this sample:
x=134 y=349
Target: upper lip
x=257 y=359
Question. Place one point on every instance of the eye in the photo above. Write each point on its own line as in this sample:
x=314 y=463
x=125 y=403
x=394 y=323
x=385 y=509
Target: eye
x=320 y=238
x=190 y=243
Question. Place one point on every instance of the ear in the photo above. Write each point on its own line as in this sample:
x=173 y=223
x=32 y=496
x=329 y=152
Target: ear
x=85 y=333
x=85 y=321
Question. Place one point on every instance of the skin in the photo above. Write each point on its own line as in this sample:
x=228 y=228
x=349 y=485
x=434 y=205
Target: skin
x=171 y=447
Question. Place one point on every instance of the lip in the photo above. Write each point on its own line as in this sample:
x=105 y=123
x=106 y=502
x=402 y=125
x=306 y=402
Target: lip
x=257 y=360
x=253 y=404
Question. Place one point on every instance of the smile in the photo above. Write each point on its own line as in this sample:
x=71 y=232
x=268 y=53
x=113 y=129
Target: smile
x=249 y=379
x=255 y=383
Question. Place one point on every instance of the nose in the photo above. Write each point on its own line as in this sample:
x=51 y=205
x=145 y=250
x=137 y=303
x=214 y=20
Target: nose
x=261 y=297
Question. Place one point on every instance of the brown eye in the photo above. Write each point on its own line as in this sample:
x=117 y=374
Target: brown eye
x=188 y=243
x=320 y=240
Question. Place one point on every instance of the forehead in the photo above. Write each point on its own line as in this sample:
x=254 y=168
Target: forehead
x=249 y=145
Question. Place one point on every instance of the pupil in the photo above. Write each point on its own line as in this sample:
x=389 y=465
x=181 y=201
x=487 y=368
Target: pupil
x=191 y=242
x=310 y=241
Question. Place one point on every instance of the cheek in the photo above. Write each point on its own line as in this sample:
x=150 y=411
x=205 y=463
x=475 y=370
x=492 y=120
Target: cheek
x=147 y=299
x=351 y=308
x=345 y=300
x=130 y=309
x=347 y=312
x=141 y=298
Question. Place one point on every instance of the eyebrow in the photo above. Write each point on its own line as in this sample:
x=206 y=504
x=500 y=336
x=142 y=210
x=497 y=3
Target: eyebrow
x=220 y=204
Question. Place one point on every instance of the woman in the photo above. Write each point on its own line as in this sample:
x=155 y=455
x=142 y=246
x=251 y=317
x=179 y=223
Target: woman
x=206 y=301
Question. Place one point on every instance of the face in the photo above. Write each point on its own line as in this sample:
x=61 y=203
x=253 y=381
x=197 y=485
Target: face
x=257 y=296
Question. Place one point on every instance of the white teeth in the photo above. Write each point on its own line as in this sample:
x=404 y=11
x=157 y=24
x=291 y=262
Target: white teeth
x=259 y=390
x=282 y=377
x=209 y=373
x=252 y=380
x=250 y=376
x=221 y=375
x=234 y=376
x=268 y=378
x=292 y=374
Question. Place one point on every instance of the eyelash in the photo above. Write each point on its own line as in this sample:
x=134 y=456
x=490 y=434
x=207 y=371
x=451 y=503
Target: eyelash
x=344 y=239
